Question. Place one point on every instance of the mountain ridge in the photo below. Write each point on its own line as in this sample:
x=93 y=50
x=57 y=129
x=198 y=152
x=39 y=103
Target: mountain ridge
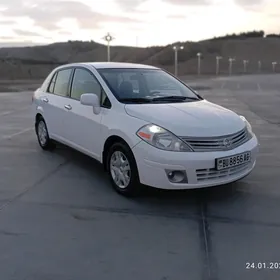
x=37 y=61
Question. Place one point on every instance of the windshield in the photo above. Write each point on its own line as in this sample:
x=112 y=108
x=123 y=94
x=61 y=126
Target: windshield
x=146 y=86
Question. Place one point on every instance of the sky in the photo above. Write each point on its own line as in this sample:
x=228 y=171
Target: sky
x=132 y=22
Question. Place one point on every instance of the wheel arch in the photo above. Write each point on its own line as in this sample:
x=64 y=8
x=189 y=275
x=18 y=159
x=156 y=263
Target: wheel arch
x=108 y=143
x=112 y=139
x=37 y=117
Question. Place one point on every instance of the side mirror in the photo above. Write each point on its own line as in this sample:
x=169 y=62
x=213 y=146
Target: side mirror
x=91 y=99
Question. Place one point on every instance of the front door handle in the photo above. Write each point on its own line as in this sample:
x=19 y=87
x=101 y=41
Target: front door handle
x=46 y=100
x=68 y=107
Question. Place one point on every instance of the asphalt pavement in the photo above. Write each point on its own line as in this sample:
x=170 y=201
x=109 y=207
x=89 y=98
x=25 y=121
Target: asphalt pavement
x=60 y=219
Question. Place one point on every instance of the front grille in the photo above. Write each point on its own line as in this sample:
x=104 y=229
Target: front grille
x=213 y=174
x=220 y=143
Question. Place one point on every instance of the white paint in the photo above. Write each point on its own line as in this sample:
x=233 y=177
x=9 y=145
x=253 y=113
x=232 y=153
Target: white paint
x=16 y=134
x=5 y=113
x=14 y=111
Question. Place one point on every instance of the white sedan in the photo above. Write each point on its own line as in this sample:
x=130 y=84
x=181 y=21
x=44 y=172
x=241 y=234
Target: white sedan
x=144 y=125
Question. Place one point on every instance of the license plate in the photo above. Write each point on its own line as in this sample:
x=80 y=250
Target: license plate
x=231 y=161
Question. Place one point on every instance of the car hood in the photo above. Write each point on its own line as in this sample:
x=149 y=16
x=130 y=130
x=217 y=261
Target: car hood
x=200 y=119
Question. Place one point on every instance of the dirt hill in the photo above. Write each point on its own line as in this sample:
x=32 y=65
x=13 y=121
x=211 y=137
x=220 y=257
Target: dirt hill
x=36 y=62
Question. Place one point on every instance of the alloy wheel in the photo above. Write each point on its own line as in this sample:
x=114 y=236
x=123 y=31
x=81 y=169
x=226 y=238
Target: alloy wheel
x=42 y=133
x=120 y=169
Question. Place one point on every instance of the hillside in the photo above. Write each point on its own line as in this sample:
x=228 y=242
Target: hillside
x=36 y=62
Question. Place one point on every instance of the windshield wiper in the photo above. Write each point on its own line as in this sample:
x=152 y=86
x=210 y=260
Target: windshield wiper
x=174 y=98
x=155 y=99
x=135 y=100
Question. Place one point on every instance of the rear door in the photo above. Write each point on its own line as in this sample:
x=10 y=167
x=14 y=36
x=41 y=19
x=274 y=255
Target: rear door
x=54 y=101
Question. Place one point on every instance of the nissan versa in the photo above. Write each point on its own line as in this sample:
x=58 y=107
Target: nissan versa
x=144 y=125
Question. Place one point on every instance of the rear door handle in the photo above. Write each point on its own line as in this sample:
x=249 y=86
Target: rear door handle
x=68 y=107
x=46 y=100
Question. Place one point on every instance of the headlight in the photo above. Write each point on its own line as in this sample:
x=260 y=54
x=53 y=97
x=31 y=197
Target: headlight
x=248 y=126
x=162 y=139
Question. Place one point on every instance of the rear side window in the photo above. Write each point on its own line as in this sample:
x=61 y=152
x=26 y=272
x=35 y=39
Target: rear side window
x=60 y=82
x=52 y=83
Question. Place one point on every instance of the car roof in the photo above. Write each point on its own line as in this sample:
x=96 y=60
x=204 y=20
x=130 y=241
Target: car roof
x=102 y=65
x=106 y=65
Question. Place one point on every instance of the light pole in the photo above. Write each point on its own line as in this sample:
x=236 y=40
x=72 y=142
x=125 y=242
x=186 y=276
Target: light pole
x=245 y=63
x=218 y=58
x=176 y=49
x=274 y=65
x=260 y=66
x=230 y=65
x=108 y=38
x=198 y=62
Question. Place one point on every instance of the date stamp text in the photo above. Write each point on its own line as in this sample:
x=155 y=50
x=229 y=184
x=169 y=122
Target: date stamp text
x=263 y=265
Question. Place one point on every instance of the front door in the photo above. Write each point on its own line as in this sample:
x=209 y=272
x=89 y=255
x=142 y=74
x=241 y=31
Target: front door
x=85 y=125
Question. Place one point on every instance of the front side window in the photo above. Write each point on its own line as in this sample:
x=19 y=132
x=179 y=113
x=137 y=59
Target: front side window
x=61 y=83
x=146 y=86
x=84 y=82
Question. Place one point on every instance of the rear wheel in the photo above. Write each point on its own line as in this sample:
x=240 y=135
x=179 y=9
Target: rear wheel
x=123 y=170
x=43 y=135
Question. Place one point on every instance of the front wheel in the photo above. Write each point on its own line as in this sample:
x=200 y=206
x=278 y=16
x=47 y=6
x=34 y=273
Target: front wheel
x=123 y=170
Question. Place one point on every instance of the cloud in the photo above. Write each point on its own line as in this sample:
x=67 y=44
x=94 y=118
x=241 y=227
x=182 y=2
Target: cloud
x=4 y=38
x=255 y=6
x=16 y=44
x=47 y=14
x=129 y=5
x=153 y=5
x=248 y=2
x=7 y=22
x=177 y=17
x=274 y=15
x=189 y=2
x=63 y=32
x=26 y=33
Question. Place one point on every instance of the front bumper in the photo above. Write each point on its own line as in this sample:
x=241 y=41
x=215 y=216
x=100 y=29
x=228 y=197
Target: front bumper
x=199 y=166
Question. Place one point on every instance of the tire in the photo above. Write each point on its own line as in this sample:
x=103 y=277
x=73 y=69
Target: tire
x=128 y=187
x=43 y=135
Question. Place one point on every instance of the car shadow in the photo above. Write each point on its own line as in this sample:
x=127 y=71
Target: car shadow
x=169 y=199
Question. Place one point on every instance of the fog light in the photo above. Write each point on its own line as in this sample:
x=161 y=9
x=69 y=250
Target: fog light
x=177 y=176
